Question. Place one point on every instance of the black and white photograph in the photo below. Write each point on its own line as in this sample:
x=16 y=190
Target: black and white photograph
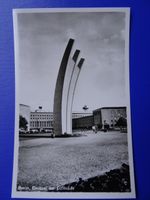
x=73 y=135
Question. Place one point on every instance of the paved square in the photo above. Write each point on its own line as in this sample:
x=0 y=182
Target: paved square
x=54 y=162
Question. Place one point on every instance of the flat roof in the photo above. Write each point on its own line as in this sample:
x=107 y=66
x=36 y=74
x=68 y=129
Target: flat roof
x=82 y=113
x=43 y=112
x=115 y=107
x=52 y=112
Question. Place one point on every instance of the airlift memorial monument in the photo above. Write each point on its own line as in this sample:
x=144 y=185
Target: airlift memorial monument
x=65 y=89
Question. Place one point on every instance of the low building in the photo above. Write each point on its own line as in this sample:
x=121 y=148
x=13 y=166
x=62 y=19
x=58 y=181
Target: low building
x=24 y=111
x=85 y=122
x=80 y=114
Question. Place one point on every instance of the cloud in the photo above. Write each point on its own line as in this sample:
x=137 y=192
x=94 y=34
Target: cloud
x=42 y=40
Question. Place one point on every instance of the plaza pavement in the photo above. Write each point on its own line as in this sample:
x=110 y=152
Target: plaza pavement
x=54 y=162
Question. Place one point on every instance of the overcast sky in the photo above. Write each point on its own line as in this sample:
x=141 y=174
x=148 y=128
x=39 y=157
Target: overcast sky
x=42 y=40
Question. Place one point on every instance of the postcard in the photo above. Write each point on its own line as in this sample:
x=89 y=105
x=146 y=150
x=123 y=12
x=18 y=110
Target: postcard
x=73 y=135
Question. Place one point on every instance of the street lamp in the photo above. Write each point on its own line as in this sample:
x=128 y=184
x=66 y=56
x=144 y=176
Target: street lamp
x=85 y=108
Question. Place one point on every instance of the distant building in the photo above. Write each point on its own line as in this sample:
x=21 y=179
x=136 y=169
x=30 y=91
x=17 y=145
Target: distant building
x=41 y=120
x=24 y=111
x=80 y=114
x=85 y=122
x=108 y=115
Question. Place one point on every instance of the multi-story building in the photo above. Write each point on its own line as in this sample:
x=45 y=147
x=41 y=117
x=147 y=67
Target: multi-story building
x=41 y=120
x=108 y=115
x=24 y=111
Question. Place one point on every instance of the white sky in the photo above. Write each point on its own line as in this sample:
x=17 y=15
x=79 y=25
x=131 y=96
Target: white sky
x=100 y=37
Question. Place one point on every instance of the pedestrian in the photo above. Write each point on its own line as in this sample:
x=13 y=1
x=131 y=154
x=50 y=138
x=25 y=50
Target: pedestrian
x=53 y=134
x=94 y=129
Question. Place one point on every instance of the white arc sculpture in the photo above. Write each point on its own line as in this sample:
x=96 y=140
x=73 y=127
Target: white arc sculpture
x=65 y=89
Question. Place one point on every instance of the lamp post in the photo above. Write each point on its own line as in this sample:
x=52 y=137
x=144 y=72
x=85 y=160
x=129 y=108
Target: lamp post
x=37 y=120
x=85 y=108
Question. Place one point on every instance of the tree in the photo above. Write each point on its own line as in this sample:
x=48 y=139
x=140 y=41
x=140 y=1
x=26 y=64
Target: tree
x=122 y=122
x=22 y=122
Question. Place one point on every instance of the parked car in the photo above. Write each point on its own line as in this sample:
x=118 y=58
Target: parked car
x=47 y=131
x=22 y=131
x=34 y=131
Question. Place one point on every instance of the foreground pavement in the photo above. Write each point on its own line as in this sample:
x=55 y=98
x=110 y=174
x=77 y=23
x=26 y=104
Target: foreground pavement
x=53 y=162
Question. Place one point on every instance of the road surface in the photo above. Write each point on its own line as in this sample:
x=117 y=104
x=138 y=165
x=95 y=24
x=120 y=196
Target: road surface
x=54 y=162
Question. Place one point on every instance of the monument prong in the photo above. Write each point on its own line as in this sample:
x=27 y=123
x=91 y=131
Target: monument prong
x=74 y=58
x=59 y=89
x=81 y=62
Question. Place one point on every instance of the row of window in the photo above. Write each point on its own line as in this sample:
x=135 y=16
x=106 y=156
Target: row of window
x=41 y=124
x=41 y=117
x=36 y=118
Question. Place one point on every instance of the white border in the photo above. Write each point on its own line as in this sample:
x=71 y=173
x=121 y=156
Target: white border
x=72 y=195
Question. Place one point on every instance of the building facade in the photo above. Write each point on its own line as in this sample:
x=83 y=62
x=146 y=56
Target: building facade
x=85 y=122
x=108 y=115
x=44 y=120
x=41 y=120
x=102 y=117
